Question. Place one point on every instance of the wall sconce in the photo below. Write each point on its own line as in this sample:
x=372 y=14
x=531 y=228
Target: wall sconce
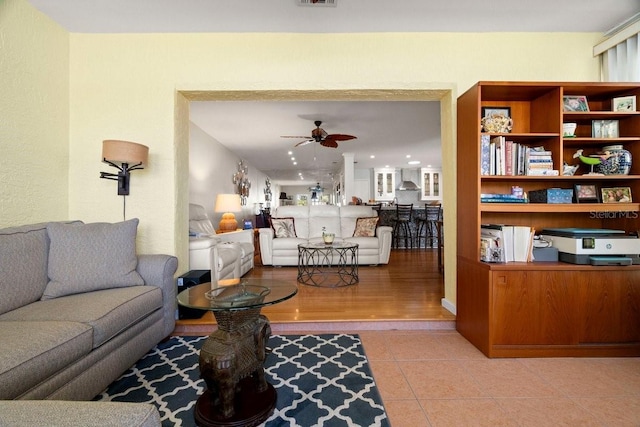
x=227 y=204
x=126 y=157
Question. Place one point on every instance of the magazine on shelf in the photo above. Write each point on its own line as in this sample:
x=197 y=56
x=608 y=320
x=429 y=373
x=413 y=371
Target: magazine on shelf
x=516 y=240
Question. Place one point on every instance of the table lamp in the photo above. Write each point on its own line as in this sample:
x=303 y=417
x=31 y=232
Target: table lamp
x=228 y=204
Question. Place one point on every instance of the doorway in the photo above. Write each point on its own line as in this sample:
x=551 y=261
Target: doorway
x=445 y=95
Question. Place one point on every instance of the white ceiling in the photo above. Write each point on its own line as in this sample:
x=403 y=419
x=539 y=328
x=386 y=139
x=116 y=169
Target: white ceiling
x=388 y=130
x=189 y=16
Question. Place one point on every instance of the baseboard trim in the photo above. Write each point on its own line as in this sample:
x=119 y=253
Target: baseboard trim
x=354 y=326
x=448 y=305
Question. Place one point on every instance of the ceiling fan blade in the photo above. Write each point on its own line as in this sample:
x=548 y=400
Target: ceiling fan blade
x=296 y=137
x=340 y=137
x=301 y=143
x=328 y=142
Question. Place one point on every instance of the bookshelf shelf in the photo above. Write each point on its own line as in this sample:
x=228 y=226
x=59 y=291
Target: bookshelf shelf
x=559 y=207
x=541 y=309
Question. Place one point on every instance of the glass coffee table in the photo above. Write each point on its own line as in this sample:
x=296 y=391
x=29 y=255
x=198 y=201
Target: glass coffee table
x=232 y=358
x=328 y=265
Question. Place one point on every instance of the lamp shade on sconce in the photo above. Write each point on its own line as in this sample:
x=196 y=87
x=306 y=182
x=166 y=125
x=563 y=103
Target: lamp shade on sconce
x=125 y=156
x=283 y=196
x=116 y=151
x=227 y=204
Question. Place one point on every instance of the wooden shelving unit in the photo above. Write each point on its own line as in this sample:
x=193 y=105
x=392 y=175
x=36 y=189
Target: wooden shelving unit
x=546 y=309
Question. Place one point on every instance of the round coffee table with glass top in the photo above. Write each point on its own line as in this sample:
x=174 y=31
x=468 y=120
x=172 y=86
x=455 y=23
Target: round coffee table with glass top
x=232 y=357
x=328 y=265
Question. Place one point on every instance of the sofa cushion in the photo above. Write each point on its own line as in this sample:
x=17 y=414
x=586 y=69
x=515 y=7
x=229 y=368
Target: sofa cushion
x=324 y=218
x=23 y=260
x=88 y=257
x=199 y=223
x=283 y=227
x=108 y=312
x=350 y=214
x=366 y=227
x=33 y=351
x=60 y=413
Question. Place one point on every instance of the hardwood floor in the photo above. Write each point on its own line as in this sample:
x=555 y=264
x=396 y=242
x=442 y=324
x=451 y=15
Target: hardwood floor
x=405 y=294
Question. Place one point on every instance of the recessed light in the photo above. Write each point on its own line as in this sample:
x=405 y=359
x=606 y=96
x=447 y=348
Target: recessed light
x=408 y=156
x=295 y=163
x=289 y=152
x=293 y=158
x=414 y=162
x=386 y=166
x=372 y=157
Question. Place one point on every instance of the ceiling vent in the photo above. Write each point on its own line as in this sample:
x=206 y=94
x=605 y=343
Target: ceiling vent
x=317 y=3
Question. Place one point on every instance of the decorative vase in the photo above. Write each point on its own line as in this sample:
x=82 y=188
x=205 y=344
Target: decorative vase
x=328 y=238
x=618 y=161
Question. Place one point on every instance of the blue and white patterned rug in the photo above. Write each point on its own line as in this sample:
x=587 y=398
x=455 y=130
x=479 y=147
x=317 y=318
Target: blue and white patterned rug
x=321 y=380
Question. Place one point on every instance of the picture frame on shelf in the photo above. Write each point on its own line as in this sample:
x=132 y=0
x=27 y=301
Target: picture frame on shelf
x=624 y=104
x=575 y=103
x=616 y=194
x=605 y=129
x=496 y=111
x=586 y=193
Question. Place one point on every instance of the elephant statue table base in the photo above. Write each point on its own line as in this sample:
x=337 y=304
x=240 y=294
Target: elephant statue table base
x=232 y=366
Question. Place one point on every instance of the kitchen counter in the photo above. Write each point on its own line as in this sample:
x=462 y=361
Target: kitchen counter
x=388 y=213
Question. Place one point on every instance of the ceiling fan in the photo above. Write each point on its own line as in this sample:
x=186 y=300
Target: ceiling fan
x=319 y=135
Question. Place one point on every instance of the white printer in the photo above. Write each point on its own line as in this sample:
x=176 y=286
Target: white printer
x=596 y=246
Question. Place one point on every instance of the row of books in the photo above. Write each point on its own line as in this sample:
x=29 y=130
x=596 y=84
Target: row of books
x=506 y=243
x=499 y=156
x=501 y=198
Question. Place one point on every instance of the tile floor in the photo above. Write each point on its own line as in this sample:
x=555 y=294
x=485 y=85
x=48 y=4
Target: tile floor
x=437 y=378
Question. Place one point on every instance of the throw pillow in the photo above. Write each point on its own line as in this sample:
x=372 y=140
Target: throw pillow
x=89 y=257
x=283 y=227
x=366 y=227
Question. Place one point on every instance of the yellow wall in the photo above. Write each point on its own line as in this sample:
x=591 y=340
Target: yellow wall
x=34 y=116
x=136 y=87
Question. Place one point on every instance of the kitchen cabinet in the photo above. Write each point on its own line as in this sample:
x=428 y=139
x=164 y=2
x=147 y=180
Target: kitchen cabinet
x=430 y=184
x=385 y=182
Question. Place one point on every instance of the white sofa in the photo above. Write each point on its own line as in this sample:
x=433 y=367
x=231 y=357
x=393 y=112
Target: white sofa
x=309 y=222
x=230 y=254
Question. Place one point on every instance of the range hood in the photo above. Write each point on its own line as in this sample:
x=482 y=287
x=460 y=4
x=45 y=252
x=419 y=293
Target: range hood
x=406 y=185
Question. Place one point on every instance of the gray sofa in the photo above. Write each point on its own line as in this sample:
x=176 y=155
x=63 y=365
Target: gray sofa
x=78 y=307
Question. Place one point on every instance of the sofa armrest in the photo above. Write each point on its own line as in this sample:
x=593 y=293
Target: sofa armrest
x=266 y=245
x=385 y=235
x=236 y=236
x=159 y=270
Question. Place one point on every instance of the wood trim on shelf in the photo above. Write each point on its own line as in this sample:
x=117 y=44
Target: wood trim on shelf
x=559 y=207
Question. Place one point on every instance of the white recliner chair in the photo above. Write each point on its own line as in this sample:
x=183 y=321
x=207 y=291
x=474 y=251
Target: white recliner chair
x=231 y=253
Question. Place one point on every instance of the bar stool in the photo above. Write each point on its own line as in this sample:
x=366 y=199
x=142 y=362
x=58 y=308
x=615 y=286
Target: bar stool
x=427 y=227
x=402 y=226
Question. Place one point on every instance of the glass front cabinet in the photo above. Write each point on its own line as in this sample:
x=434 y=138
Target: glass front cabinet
x=431 y=184
x=385 y=182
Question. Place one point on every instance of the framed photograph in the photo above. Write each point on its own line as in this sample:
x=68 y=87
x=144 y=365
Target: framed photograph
x=586 y=193
x=616 y=194
x=624 y=103
x=604 y=129
x=575 y=103
x=496 y=111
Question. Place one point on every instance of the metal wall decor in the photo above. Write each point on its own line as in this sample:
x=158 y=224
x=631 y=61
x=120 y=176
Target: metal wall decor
x=267 y=192
x=241 y=180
